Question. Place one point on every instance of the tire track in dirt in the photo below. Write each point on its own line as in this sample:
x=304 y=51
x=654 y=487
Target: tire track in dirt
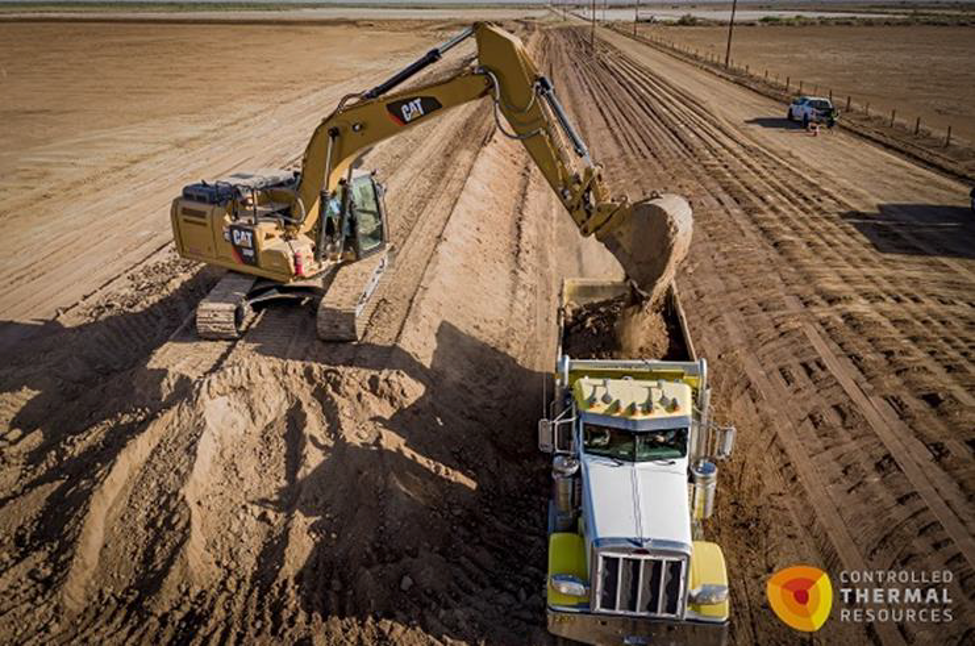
x=903 y=456
x=906 y=461
x=277 y=486
x=756 y=188
x=745 y=593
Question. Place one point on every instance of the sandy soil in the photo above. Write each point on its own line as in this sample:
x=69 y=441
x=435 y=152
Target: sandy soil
x=623 y=328
x=84 y=121
x=820 y=293
x=915 y=70
x=159 y=488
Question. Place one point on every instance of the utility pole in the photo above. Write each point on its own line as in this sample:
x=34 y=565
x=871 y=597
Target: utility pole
x=729 y=39
x=636 y=5
x=593 y=22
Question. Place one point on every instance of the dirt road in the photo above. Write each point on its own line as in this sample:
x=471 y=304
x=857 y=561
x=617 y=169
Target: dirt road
x=831 y=284
x=918 y=70
x=159 y=488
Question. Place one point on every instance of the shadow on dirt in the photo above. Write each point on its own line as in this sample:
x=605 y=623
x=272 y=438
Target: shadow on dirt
x=917 y=229
x=778 y=123
x=437 y=519
x=77 y=395
x=428 y=509
x=64 y=371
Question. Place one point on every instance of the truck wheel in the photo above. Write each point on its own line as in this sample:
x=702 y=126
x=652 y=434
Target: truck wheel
x=805 y=121
x=790 y=115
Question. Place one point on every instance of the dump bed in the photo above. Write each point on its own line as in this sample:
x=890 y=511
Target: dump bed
x=589 y=310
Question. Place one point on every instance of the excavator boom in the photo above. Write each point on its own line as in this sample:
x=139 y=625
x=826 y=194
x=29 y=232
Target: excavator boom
x=287 y=228
x=647 y=238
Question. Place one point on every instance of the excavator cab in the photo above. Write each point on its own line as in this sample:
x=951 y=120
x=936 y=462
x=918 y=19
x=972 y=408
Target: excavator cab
x=366 y=216
x=240 y=230
x=354 y=219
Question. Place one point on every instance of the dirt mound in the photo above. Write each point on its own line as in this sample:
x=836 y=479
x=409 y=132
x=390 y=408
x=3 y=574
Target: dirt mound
x=270 y=497
x=160 y=488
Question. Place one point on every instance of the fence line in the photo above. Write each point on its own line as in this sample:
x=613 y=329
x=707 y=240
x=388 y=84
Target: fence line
x=865 y=108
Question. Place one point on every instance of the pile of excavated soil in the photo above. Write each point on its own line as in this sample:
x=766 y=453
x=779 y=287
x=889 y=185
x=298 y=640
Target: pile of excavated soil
x=618 y=328
x=159 y=488
x=276 y=500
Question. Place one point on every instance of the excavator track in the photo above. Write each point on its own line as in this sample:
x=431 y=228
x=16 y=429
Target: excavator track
x=347 y=305
x=225 y=312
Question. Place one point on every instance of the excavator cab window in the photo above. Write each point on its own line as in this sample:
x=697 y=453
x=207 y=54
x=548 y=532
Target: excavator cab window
x=368 y=216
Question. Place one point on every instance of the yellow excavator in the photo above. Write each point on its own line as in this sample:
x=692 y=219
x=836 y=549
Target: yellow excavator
x=321 y=231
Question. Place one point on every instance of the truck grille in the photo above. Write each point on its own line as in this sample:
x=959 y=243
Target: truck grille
x=640 y=585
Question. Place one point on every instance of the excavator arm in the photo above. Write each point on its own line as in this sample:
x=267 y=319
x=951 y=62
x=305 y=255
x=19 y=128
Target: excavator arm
x=280 y=232
x=647 y=238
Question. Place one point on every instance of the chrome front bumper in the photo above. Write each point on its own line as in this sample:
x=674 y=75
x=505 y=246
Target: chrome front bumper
x=603 y=629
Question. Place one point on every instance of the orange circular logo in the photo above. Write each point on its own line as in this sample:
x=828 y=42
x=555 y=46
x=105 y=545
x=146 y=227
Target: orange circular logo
x=800 y=596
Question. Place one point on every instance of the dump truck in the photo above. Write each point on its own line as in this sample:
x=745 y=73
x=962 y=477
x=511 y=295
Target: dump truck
x=634 y=471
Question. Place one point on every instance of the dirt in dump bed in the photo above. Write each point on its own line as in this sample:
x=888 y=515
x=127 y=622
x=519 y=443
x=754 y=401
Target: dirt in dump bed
x=620 y=328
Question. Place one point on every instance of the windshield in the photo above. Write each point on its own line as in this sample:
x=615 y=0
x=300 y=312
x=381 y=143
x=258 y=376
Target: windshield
x=635 y=446
x=368 y=222
x=821 y=105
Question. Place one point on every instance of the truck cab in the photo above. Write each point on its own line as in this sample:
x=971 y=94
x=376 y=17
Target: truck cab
x=634 y=477
x=812 y=110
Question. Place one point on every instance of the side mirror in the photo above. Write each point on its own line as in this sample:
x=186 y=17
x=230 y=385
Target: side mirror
x=544 y=431
x=555 y=436
x=725 y=440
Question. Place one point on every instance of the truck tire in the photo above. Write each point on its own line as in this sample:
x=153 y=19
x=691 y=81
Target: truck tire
x=805 y=121
x=790 y=115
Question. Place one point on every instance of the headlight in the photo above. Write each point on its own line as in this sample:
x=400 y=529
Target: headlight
x=570 y=585
x=709 y=594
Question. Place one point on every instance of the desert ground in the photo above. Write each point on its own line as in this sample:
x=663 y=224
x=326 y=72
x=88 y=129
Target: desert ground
x=916 y=70
x=155 y=487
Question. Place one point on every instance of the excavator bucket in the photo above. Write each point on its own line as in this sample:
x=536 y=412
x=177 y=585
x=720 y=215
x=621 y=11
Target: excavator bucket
x=652 y=242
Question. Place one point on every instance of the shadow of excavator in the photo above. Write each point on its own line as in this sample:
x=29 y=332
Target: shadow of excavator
x=444 y=530
x=60 y=383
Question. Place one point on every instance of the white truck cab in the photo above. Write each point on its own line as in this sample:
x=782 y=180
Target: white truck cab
x=807 y=110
